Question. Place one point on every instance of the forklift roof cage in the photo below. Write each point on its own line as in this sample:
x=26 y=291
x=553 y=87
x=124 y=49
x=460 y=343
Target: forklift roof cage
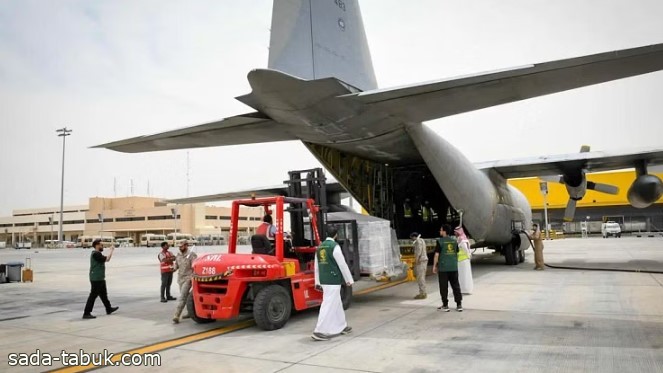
x=266 y=202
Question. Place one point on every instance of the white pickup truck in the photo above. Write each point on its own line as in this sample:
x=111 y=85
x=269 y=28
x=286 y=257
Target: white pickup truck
x=611 y=228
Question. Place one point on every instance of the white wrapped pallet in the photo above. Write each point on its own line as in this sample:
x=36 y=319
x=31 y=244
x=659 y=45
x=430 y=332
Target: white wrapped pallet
x=379 y=254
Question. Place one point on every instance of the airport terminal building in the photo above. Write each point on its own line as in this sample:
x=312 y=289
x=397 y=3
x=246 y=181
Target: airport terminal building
x=122 y=217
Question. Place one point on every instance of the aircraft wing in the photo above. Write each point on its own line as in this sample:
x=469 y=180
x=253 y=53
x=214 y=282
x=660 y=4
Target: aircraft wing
x=242 y=129
x=555 y=164
x=229 y=196
x=279 y=190
x=443 y=98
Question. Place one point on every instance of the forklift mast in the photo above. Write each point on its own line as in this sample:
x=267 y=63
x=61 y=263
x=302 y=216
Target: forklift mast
x=307 y=184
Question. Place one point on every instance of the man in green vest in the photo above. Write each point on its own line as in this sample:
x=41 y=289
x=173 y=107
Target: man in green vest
x=98 y=280
x=331 y=271
x=445 y=264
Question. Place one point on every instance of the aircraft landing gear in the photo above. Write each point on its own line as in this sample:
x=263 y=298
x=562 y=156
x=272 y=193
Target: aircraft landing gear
x=512 y=253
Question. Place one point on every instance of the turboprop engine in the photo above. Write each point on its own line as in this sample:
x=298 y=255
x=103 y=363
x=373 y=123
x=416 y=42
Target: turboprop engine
x=645 y=190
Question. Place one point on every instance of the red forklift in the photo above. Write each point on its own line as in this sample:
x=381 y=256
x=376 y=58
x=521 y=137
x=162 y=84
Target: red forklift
x=269 y=282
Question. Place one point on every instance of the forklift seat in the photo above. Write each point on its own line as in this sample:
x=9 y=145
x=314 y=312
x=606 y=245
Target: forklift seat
x=261 y=245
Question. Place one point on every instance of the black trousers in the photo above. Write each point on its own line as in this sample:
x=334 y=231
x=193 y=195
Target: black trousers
x=97 y=289
x=444 y=279
x=166 y=281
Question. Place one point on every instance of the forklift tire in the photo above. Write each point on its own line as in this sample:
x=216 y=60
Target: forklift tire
x=191 y=309
x=346 y=296
x=272 y=307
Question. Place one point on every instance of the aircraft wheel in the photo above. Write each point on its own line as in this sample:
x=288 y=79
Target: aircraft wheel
x=510 y=254
x=346 y=296
x=272 y=307
x=521 y=256
x=191 y=309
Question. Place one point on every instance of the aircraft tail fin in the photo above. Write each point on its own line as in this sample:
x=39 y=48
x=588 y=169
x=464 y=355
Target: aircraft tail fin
x=313 y=39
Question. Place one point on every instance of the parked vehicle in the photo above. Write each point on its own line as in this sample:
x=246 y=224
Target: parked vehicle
x=124 y=242
x=611 y=228
x=152 y=240
x=176 y=239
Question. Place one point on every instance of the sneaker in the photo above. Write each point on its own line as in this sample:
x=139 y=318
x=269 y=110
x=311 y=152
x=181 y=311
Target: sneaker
x=89 y=316
x=111 y=310
x=320 y=337
x=176 y=320
x=421 y=296
x=347 y=330
x=459 y=308
x=443 y=308
x=171 y=298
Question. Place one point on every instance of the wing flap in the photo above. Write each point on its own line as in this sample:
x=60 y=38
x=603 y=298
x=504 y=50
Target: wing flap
x=443 y=98
x=556 y=164
x=242 y=129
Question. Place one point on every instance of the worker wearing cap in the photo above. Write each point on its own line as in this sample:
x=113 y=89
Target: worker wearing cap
x=420 y=263
x=184 y=264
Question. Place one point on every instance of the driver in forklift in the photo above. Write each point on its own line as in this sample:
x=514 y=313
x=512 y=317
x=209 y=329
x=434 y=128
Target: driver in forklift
x=267 y=228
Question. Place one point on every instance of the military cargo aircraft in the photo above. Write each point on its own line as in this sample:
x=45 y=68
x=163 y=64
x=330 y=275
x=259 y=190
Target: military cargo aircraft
x=320 y=88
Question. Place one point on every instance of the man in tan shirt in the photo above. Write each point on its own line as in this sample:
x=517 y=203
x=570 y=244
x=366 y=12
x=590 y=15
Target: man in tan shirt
x=184 y=263
x=538 y=248
x=420 y=263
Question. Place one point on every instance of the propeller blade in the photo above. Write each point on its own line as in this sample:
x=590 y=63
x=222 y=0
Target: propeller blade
x=603 y=188
x=570 y=211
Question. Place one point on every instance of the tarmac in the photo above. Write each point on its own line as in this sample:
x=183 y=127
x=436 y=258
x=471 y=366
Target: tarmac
x=516 y=320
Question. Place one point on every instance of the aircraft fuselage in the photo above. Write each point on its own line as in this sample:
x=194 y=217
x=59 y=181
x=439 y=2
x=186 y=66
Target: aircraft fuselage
x=315 y=112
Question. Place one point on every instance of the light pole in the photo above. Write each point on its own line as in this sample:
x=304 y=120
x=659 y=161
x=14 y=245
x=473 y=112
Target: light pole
x=62 y=132
x=50 y=221
x=174 y=211
x=544 y=190
x=101 y=219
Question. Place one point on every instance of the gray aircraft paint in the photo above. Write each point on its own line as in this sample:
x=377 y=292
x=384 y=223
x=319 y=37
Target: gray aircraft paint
x=334 y=45
x=319 y=65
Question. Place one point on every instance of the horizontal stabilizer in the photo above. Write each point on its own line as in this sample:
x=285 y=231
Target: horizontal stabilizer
x=447 y=97
x=242 y=129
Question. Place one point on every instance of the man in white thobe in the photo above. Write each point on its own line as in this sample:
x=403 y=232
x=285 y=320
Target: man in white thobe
x=464 y=265
x=331 y=272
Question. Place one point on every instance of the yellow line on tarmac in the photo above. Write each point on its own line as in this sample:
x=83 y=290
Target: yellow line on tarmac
x=165 y=345
x=379 y=287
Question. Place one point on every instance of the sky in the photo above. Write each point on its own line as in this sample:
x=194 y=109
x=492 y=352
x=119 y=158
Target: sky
x=110 y=70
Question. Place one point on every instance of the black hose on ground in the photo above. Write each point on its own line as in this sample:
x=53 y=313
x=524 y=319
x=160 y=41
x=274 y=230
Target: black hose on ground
x=591 y=269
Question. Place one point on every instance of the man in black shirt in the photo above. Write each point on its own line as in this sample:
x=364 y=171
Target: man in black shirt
x=98 y=280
